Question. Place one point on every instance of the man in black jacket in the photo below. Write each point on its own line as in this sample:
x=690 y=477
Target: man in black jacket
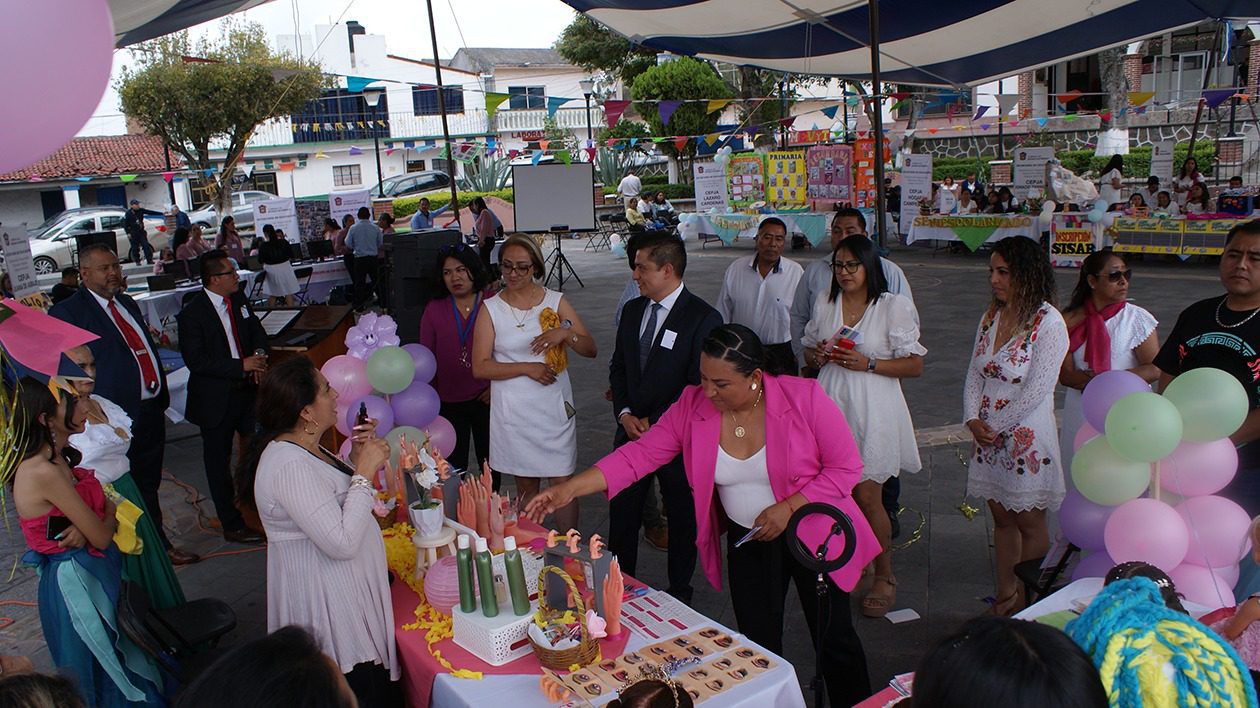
x=656 y=357
x=225 y=349
x=133 y=224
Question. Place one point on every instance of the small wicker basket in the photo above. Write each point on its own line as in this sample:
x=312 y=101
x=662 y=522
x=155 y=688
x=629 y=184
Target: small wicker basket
x=587 y=650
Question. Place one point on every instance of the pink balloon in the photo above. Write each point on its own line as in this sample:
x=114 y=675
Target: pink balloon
x=1083 y=435
x=1202 y=586
x=341 y=417
x=1147 y=530
x=1104 y=390
x=344 y=452
x=1218 y=531
x=426 y=363
x=377 y=408
x=442 y=435
x=68 y=84
x=1229 y=574
x=348 y=377
x=1198 y=468
x=1095 y=564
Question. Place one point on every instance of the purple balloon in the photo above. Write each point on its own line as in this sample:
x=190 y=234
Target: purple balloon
x=1104 y=390
x=417 y=405
x=1083 y=521
x=348 y=377
x=377 y=408
x=442 y=435
x=1095 y=564
x=426 y=363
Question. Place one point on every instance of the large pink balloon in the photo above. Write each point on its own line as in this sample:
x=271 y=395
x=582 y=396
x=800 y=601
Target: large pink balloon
x=1094 y=565
x=1104 y=390
x=1202 y=586
x=1084 y=434
x=426 y=363
x=341 y=416
x=377 y=408
x=1198 y=468
x=344 y=451
x=1083 y=521
x=1218 y=531
x=442 y=435
x=348 y=377
x=416 y=406
x=60 y=54
x=1147 y=530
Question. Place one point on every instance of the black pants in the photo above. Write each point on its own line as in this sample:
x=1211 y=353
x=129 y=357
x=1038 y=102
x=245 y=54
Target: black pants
x=471 y=420
x=216 y=453
x=365 y=267
x=759 y=573
x=372 y=687
x=625 y=518
x=780 y=360
x=148 y=444
x=140 y=242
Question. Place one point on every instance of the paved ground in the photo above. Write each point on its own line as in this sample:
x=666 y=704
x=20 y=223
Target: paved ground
x=943 y=563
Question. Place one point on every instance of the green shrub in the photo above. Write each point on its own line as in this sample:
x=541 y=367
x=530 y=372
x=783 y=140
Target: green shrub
x=654 y=179
x=406 y=206
x=672 y=191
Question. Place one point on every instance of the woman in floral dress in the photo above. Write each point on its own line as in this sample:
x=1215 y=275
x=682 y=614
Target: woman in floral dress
x=1008 y=405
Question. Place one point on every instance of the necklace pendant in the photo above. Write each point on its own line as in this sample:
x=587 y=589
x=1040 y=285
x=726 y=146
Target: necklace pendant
x=520 y=325
x=463 y=358
x=740 y=432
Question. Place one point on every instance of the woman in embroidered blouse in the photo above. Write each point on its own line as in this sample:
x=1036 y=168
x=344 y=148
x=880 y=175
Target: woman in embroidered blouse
x=230 y=240
x=1105 y=332
x=1008 y=405
x=326 y=568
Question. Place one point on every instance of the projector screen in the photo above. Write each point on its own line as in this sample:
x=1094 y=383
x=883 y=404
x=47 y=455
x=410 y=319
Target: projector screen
x=548 y=196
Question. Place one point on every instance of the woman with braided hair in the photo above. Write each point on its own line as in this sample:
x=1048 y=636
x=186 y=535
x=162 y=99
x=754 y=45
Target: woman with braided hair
x=1008 y=406
x=1149 y=655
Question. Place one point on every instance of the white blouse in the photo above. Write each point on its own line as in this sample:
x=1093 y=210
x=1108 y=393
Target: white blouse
x=743 y=486
x=104 y=445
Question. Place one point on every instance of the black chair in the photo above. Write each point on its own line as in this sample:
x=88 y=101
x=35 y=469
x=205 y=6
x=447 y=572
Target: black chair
x=183 y=639
x=304 y=276
x=602 y=237
x=254 y=295
x=1039 y=582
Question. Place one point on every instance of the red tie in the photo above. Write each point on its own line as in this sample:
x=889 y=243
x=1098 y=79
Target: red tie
x=236 y=335
x=147 y=371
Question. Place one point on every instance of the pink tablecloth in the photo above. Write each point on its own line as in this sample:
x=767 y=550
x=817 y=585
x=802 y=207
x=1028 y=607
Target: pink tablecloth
x=420 y=668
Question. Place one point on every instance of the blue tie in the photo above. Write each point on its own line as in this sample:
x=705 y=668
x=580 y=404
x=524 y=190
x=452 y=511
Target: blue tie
x=649 y=333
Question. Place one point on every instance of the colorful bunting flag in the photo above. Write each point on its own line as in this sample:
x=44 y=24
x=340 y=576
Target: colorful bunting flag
x=1006 y=102
x=1105 y=115
x=666 y=109
x=538 y=154
x=830 y=111
x=320 y=155
x=565 y=157
x=389 y=151
x=1041 y=122
x=89 y=179
x=980 y=112
x=613 y=111
x=493 y=101
x=355 y=84
x=1067 y=97
x=127 y=178
x=712 y=138
x=286 y=166
x=1139 y=98
x=985 y=126
x=355 y=151
x=680 y=143
x=1215 y=97
x=932 y=131
x=542 y=144
x=717 y=104
x=590 y=154
x=554 y=103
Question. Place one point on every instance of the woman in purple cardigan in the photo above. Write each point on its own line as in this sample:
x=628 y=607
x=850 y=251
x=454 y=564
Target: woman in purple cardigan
x=756 y=447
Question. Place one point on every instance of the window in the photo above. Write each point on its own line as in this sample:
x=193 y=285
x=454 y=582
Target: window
x=340 y=115
x=415 y=166
x=82 y=226
x=346 y=175
x=109 y=223
x=424 y=100
x=524 y=97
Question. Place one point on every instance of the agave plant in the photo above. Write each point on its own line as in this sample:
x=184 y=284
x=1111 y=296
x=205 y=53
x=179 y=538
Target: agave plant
x=611 y=164
x=486 y=174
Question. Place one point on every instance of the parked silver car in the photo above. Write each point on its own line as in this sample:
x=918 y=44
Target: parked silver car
x=53 y=243
x=242 y=210
x=412 y=183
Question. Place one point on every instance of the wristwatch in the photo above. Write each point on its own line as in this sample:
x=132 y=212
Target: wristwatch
x=870 y=364
x=568 y=324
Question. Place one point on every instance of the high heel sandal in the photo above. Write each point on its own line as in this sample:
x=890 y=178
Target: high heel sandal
x=878 y=604
x=1008 y=605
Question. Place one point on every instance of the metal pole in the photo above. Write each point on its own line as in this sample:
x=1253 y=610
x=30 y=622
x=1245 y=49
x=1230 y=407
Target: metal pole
x=376 y=142
x=844 y=99
x=441 y=94
x=783 y=113
x=589 y=135
x=1001 y=120
x=877 y=122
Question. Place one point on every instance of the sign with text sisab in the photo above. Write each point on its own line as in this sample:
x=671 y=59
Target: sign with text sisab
x=1071 y=240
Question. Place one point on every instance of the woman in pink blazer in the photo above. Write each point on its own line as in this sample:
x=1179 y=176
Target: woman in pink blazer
x=756 y=447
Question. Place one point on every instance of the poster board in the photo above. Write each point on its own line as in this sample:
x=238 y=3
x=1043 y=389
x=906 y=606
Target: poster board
x=785 y=181
x=916 y=184
x=865 y=193
x=829 y=175
x=1162 y=162
x=18 y=261
x=348 y=202
x=551 y=195
x=280 y=213
x=747 y=179
x=1205 y=237
x=1030 y=170
x=1160 y=236
x=710 y=183
x=1072 y=239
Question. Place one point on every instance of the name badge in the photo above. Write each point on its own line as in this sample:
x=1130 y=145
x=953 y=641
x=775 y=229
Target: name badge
x=244 y=312
x=668 y=337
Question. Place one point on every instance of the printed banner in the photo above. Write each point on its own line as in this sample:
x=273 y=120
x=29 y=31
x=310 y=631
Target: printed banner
x=710 y=183
x=1030 y=170
x=18 y=261
x=347 y=202
x=785 y=185
x=1162 y=163
x=280 y=213
x=830 y=173
x=916 y=185
x=1072 y=239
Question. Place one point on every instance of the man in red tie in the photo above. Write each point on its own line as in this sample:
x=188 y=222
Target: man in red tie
x=128 y=371
x=225 y=348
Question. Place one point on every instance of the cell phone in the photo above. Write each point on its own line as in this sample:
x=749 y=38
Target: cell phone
x=363 y=415
x=747 y=537
x=57 y=525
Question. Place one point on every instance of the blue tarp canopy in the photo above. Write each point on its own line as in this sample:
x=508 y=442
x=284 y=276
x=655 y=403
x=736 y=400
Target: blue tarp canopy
x=139 y=20
x=922 y=42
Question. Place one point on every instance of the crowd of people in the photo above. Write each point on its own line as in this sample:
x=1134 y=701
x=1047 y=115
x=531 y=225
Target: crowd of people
x=785 y=391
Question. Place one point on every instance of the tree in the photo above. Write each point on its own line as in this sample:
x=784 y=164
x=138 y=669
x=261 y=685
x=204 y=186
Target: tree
x=612 y=162
x=235 y=84
x=684 y=79
x=594 y=47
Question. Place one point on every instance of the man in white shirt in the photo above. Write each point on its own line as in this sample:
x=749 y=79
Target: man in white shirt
x=757 y=292
x=630 y=188
x=1150 y=193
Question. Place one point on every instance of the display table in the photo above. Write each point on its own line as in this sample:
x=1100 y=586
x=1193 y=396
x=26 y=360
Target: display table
x=1084 y=590
x=974 y=230
x=728 y=227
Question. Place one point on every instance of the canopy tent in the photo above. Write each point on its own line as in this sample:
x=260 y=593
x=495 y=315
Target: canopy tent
x=922 y=42
x=139 y=20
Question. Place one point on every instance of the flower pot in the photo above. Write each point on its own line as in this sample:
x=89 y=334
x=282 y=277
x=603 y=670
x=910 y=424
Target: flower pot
x=427 y=522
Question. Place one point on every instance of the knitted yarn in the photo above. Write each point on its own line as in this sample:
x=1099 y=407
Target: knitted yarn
x=1149 y=656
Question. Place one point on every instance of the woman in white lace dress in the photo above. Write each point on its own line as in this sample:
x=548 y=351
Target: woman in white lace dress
x=865 y=382
x=1008 y=405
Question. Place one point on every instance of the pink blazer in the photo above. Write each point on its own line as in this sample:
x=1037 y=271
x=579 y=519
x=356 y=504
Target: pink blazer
x=809 y=449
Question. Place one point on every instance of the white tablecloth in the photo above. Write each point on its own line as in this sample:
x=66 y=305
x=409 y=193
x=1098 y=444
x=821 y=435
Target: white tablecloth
x=159 y=307
x=1085 y=589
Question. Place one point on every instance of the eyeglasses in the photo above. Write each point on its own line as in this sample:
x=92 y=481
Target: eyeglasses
x=846 y=266
x=516 y=267
x=226 y=272
x=1116 y=276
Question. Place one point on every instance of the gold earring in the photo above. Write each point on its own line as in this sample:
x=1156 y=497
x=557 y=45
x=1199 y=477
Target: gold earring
x=308 y=432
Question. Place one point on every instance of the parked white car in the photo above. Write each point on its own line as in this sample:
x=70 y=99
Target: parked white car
x=53 y=244
x=242 y=211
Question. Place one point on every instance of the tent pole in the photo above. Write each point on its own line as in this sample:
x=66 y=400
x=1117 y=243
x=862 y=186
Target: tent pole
x=441 y=97
x=877 y=125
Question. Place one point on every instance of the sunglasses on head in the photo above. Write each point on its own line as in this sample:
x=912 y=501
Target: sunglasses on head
x=1116 y=276
x=458 y=247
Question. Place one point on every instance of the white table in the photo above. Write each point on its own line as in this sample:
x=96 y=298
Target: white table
x=1085 y=590
x=992 y=227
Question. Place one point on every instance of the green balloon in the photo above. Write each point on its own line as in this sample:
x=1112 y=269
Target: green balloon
x=1212 y=403
x=1143 y=427
x=1106 y=478
x=414 y=435
x=391 y=369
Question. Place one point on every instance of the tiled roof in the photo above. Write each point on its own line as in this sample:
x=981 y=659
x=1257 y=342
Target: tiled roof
x=99 y=156
x=486 y=58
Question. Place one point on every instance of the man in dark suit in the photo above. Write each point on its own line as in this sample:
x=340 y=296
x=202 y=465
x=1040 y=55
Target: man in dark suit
x=656 y=357
x=129 y=372
x=225 y=348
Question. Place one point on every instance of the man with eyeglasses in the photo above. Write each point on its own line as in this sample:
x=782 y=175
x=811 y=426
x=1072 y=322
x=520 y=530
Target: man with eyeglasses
x=128 y=371
x=758 y=292
x=225 y=348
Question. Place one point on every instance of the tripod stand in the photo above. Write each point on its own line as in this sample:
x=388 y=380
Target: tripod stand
x=557 y=263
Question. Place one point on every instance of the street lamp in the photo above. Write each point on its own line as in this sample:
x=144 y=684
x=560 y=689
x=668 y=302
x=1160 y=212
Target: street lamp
x=372 y=97
x=588 y=88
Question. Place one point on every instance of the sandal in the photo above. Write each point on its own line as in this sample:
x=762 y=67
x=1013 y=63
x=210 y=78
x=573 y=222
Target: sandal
x=878 y=604
x=1009 y=605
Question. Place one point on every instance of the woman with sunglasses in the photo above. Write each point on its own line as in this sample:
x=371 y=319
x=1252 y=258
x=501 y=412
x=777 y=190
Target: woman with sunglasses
x=1105 y=332
x=446 y=328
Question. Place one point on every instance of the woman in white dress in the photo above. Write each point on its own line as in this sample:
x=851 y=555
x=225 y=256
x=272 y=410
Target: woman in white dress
x=1105 y=333
x=865 y=382
x=1008 y=406
x=1187 y=178
x=1110 y=183
x=326 y=568
x=520 y=348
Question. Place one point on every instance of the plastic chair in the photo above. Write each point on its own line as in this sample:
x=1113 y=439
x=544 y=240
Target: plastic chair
x=304 y=275
x=1038 y=582
x=255 y=294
